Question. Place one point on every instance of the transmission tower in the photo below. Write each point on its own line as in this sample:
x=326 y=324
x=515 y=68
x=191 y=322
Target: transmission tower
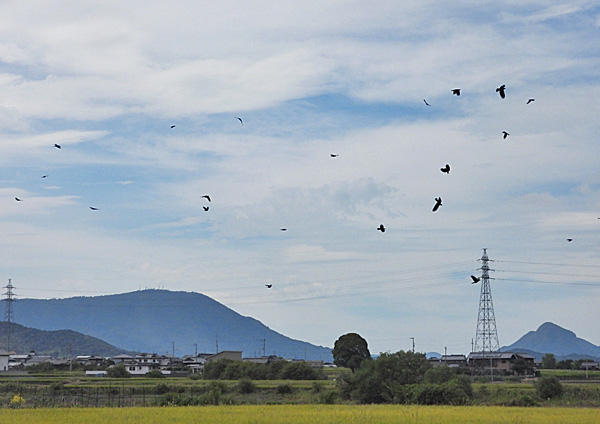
x=486 y=336
x=8 y=315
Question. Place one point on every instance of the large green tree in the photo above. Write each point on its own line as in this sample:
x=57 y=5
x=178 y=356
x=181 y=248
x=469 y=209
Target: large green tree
x=548 y=361
x=350 y=350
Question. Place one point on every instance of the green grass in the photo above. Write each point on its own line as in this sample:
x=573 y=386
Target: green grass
x=303 y=414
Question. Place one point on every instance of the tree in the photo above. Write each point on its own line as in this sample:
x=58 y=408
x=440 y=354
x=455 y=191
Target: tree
x=548 y=387
x=519 y=367
x=350 y=350
x=548 y=361
x=118 y=371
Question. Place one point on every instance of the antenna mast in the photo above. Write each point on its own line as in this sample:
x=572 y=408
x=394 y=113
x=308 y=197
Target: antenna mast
x=486 y=336
x=8 y=315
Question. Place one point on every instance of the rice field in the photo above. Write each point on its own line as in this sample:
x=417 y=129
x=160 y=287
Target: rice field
x=302 y=414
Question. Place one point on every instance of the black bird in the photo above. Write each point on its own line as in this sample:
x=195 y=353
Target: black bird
x=381 y=228
x=446 y=169
x=269 y=285
x=94 y=209
x=207 y=197
x=475 y=279
x=530 y=100
x=239 y=119
x=438 y=203
x=334 y=155
x=172 y=126
x=426 y=102
x=500 y=90
x=569 y=240
x=456 y=91
x=18 y=200
x=57 y=146
x=505 y=134
x=44 y=176
x=283 y=229
x=206 y=208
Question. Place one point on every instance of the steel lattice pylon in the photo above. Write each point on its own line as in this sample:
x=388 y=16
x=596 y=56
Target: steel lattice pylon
x=486 y=336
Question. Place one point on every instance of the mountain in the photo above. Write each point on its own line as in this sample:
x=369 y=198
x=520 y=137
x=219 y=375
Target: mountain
x=160 y=321
x=61 y=343
x=551 y=338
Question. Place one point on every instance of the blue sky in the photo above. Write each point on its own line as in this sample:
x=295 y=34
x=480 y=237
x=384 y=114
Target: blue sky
x=107 y=80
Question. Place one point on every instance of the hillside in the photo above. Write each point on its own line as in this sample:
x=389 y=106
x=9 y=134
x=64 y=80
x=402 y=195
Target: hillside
x=153 y=320
x=551 y=338
x=59 y=343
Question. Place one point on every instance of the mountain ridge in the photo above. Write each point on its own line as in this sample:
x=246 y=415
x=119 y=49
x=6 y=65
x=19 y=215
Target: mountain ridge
x=552 y=338
x=163 y=321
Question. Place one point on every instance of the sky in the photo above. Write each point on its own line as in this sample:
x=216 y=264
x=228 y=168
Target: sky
x=106 y=81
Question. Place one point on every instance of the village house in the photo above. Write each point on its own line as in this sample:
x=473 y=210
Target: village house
x=502 y=363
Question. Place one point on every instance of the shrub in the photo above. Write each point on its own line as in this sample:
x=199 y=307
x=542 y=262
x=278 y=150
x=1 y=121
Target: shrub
x=162 y=388
x=118 y=371
x=154 y=374
x=548 y=387
x=246 y=386
x=284 y=389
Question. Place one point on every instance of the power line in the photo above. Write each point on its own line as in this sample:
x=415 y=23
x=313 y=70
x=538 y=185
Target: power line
x=554 y=264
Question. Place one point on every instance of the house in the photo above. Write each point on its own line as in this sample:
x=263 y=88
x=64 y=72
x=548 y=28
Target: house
x=143 y=363
x=4 y=356
x=235 y=355
x=501 y=362
x=454 y=361
x=590 y=365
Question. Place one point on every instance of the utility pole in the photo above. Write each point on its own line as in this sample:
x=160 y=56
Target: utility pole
x=486 y=336
x=217 y=342
x=8 y=316
x=264 y=346
x=196 y=350
x=413 y=343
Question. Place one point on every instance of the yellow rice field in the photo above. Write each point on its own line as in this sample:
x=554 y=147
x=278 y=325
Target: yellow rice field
x=303 y=414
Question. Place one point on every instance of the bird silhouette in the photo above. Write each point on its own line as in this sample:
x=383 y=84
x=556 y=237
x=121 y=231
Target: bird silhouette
x=456 y=91
x=475 y=279
x=381 y=228
x=269 y=285
x=94 y=209
x=426 y=102
x=334 y=155
x=206 y=208
x=57 y=146
x=44 y=176
x=18 y=200
x=500 y=90
x=239 y=119
x=283 y=229
x=569 y=240
x=446 y=169
x=207 y=197
x=172 y=126
x=530 y=100
x=438 y=203
x=505 y=134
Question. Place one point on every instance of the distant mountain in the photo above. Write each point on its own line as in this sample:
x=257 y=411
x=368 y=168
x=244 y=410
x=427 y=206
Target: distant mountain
x=155 y=321
x=550 y=338
x=61 y=343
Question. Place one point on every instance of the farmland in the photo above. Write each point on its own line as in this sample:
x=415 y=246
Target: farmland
x=302 y=414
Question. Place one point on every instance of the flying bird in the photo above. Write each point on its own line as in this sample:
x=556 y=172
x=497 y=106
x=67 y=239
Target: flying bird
x=569 y=240
x=334 y=155
x=283 y=229
x=438 y=203
x=57 y=146
x=505 y=134
x=18 y=200
x=426 y=102
x=172 y=126
x=239 y=119
x=269 y=285
x=475 y=279
x=94 y=209
x=500 y=90
x=206 y=208
x=44 y=176
x=446 y=169
x=207 y=197
x=530 y=100
x=456 y=91
x=381 y=228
